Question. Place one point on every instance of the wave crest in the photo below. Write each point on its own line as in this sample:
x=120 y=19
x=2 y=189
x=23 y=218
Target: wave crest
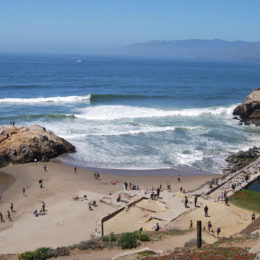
x=128 y=112
x=58 y=99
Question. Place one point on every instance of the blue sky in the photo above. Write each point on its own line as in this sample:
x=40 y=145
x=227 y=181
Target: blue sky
x=95 y=26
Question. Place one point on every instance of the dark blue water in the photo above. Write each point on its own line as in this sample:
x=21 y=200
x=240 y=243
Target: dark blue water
x=132 y=113
x=255 y=186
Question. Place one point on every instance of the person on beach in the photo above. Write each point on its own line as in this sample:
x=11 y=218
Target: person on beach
x=206 y=209
x=23 y=191
x=186 y=202
x=1 y=217
x=118 y=198
x=12 y=207
x=9 y=215
x=75 y=169
x=226 y=201
x=43 y=206
x=209 y=226
x=253 y=216
x=158 y=192
x=35 y=213
x=98 y=176
x=45 y=168
x=218 y=231
x=89 y=206
x=191 y=224
x=40 y=183
x=169 y=187
x=156 y=227
x=195 y=201
x=179 y=178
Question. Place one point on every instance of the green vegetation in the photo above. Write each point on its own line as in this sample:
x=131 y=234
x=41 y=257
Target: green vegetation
x=247 y=199
x=209 y=252
x=125 y=241
x=43 y=253
x=128 y=241
x=146 y=253
x=39 y=254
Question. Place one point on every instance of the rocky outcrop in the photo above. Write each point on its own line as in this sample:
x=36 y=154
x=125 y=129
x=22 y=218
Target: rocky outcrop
x=240 y=159
x=249 y=111
x=25 y=144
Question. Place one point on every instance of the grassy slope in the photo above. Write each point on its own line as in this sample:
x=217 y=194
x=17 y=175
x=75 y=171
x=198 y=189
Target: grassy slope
x=247 y=199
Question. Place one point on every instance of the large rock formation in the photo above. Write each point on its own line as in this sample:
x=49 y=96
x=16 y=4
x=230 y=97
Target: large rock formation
x=239 y=160
x=249 y=111
x=25 y=144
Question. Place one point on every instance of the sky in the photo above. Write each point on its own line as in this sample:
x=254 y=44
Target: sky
x=97 y=26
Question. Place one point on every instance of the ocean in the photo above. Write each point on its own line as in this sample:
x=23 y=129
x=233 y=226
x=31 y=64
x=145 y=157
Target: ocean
x=132 y=113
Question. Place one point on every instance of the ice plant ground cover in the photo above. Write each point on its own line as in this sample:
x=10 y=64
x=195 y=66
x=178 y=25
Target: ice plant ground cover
x=208 y=253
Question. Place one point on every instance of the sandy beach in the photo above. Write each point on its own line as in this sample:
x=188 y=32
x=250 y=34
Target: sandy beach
x=67 y=221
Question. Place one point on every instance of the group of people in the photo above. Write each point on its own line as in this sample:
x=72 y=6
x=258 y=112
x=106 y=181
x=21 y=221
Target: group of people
x=42 y=211
x=7 y=213
x=211 y=230
x=92 y=204
x=130 y=186
x=96 y=175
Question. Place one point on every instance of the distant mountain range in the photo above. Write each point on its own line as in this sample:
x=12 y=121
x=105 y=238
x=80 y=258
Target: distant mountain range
x=195 y=49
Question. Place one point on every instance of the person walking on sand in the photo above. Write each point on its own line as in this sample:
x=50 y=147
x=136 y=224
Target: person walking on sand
x=98 y=175
x=23 y=191
x=186 y=202
x=226 y=200
x=195 y=201
x=179 y=178
x=45 y=168
x=218 y=231
x=75 y=169
x=206 y=209
x=12 y=207
x=1 y=217
x=209 y=226
x=191 y=224
x=9 y=215
x=43 y=206
x=253 y=216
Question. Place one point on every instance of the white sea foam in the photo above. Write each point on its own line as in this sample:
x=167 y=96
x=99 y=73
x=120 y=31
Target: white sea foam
x=116 y=131
x=68 y=99
x=130 y=112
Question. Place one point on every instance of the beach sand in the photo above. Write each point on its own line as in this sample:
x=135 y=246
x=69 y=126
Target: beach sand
x=67 y=221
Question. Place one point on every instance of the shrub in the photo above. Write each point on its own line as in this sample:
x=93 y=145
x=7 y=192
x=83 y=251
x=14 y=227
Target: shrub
x=93 y=244
x=128 y=240
x=113 y=237
x=143 y=236
x=105 y=238
x=60 y=251
x=39 y=254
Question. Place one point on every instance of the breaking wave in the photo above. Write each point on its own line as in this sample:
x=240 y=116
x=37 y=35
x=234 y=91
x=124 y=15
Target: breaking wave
x=117 y=112
x=58 y=99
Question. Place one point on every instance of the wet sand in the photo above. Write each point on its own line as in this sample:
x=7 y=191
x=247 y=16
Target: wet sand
x=5 y=182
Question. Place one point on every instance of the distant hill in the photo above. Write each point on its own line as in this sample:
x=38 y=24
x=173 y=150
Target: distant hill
x=195 y=49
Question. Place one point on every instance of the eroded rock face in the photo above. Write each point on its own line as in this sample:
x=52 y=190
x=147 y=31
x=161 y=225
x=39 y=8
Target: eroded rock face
x=20 y=144
x=240 y=159
x=249 y=111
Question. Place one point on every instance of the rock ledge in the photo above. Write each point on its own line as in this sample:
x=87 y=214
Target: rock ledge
x=20 y=144
x=249 y=111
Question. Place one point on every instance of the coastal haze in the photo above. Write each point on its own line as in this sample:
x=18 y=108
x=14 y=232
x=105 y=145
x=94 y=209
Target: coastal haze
x=133 y=113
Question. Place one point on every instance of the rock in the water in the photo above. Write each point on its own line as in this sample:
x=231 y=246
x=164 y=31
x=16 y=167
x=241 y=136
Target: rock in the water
x=20 y=144
x=249 y=111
